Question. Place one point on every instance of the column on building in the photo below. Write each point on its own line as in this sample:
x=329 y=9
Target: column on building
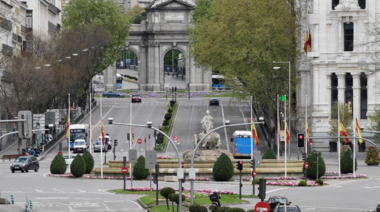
x=371 y=90
x=328 y=92
x=143 y=71
x=315 y=88
x=340 y=41
x=341 y=86
x=355 y=20
x=356 y=92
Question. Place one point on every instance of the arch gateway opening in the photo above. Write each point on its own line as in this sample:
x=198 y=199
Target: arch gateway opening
x=161 y=43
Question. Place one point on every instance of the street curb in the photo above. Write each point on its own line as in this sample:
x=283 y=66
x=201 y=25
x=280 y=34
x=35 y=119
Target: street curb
x=47 y=151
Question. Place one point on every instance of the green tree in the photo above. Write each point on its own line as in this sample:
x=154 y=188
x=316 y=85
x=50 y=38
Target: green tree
x=375 y=123
x=223 y=169
x=241 y=39
x=312 y=170
x=58 y=165
x=139 y=170
x=346 y=162
x=269 y=154
x=89 y=160
x=104 y=13
x=166 y=192
x=78 y=166
x=345 y=115
x=137 y=14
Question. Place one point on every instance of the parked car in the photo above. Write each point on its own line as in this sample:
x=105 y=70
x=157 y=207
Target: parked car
x=273 y=201
x=136 y=98
x=25 y=163
x=281 y=208
x=80 y=146
x=113 y=94
x=214 y=102
x=69 y=160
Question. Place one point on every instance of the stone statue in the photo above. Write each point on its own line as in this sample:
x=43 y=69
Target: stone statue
x=347 y=5
x=210 y=149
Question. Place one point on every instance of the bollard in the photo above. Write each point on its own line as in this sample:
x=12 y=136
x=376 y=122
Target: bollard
x=31 y=206
x=12 y=200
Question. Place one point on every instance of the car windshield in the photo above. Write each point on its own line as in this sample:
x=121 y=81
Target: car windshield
x=280 y=200
x=135 y=96
x=288 y=209
x=21 y=159
x=79 y=143
x=97 y=143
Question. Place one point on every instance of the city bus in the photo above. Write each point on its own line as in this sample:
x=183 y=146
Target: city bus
x=217 y=81
x=119 y=81
x=78 y=131
x=242 y=144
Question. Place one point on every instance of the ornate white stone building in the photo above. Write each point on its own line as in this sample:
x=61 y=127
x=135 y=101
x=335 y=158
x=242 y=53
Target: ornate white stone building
x=338 y=68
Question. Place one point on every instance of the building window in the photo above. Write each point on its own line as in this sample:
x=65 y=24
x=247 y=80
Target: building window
x=334 y=3
x=348 y=37
x=363 y=97
x=362 y=4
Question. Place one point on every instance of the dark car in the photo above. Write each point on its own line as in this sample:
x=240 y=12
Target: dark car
x=113 y=94
x=25 y=163
x=273 y=201
x=214 y=102
x=136 y=98
x=281 y=208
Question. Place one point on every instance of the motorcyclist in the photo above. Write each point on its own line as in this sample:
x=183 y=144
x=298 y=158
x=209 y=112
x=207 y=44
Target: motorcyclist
x=214 y=197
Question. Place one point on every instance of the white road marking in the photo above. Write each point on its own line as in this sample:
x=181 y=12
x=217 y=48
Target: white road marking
x=15 y=190
x=135 y=203
x=336 y=208
x=71 y=209
x=52 y=198
x=115 y=201
x=308 y=209
x=372 y=187
x=58 y=190
x=105 y=206
x=81 y=191
x=39 y=190
x=275 y=190
x=104 y=116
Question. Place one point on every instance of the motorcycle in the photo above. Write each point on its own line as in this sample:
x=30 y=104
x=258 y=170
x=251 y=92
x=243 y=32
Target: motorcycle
x=214 y=197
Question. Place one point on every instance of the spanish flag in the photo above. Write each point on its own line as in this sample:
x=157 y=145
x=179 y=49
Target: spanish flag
x=68 y=127
x=254 y=134
x=307 y=45
x=357 y=129
x=279 y=130
x=343 y=132
x=307 y=133
x=287 y=133
x=102 y=131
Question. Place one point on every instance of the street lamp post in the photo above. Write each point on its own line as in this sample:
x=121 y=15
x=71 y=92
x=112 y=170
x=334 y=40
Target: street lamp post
x=290 y=113
x=200 y=142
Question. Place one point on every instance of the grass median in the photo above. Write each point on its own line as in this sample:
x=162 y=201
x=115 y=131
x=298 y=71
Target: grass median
x=166 y=129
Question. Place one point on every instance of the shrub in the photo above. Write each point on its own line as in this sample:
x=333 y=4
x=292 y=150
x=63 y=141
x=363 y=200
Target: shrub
x=168 y=116
x=175 y=198
x=170 y=110
x=202 y=209
x=223 y=169
x=346 y=162
x=213 y=208
x=172 y=103
x=78 y=166
x=165 y=123
x=223 y=209
x=372 y=157
x=257 y=180
x=312 y=170
x=269 y=154
x=302 y=183
x=139 y=171
x=252 y=210
x=89 y=160
x=319 y=181
x=58 y=165
x=165 y=192
x=194 y=207
x=235 y=210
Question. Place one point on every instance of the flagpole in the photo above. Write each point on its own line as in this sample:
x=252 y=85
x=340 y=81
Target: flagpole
x=90 y=119
x=69 y=133
x=354 y=151
x=338 y=137
x=307 y=137
x=251 y=136
x=278 y=129
x=130 y=143
x=102 y=145
x=286 y=135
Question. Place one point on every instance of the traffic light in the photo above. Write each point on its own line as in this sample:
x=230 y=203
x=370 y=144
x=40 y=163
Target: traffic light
x=133 y=136
x=253 y=165
x=115 y=143
x=157 y=171
x=304 y=156
x=262 y=188
x=239 y=165
x=301 y=140
x=128 y=137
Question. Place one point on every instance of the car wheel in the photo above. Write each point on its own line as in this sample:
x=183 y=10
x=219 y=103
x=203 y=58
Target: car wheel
x=13 y=171
x=36 y=169
x=27 y=169
x=22 y=171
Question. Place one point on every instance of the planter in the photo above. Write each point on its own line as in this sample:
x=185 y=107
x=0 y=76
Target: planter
x=333 y=146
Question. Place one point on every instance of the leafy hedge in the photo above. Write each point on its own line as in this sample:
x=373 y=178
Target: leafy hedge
x=89 y=160
x=235 y=210
x=58 y=165
x=372 y=157
x=346 y=162
x=78 y=166
x=312 y=170
x=139 y=171
x=223 y=169
x=269 y=154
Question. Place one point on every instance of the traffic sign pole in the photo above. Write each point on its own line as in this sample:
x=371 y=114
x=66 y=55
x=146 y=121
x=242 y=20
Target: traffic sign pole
x=124 y=165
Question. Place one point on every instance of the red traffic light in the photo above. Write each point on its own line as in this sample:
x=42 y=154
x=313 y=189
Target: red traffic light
x=182 y=165
x=300 y=136
x=240 y=162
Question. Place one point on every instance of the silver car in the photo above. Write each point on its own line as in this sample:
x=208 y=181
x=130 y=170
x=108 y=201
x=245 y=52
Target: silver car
x=98 y=146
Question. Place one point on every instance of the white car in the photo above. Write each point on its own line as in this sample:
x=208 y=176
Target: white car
x=98 y=146
x=69 y=160
x=80 y=145
x=107 y=141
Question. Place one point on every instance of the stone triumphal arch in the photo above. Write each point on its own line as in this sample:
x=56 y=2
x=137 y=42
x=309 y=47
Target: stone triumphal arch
x=165 y=29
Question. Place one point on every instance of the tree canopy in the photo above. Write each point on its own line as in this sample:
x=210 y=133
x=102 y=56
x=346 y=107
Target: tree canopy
x=137 y=14
x=241 y=39
x=104 y=13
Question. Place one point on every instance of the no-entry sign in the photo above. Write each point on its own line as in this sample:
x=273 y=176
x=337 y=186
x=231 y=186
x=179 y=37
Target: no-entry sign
x=254 y=173
x=261 y=206
x=139 y=141
x=124 y=170
x=306 y=165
